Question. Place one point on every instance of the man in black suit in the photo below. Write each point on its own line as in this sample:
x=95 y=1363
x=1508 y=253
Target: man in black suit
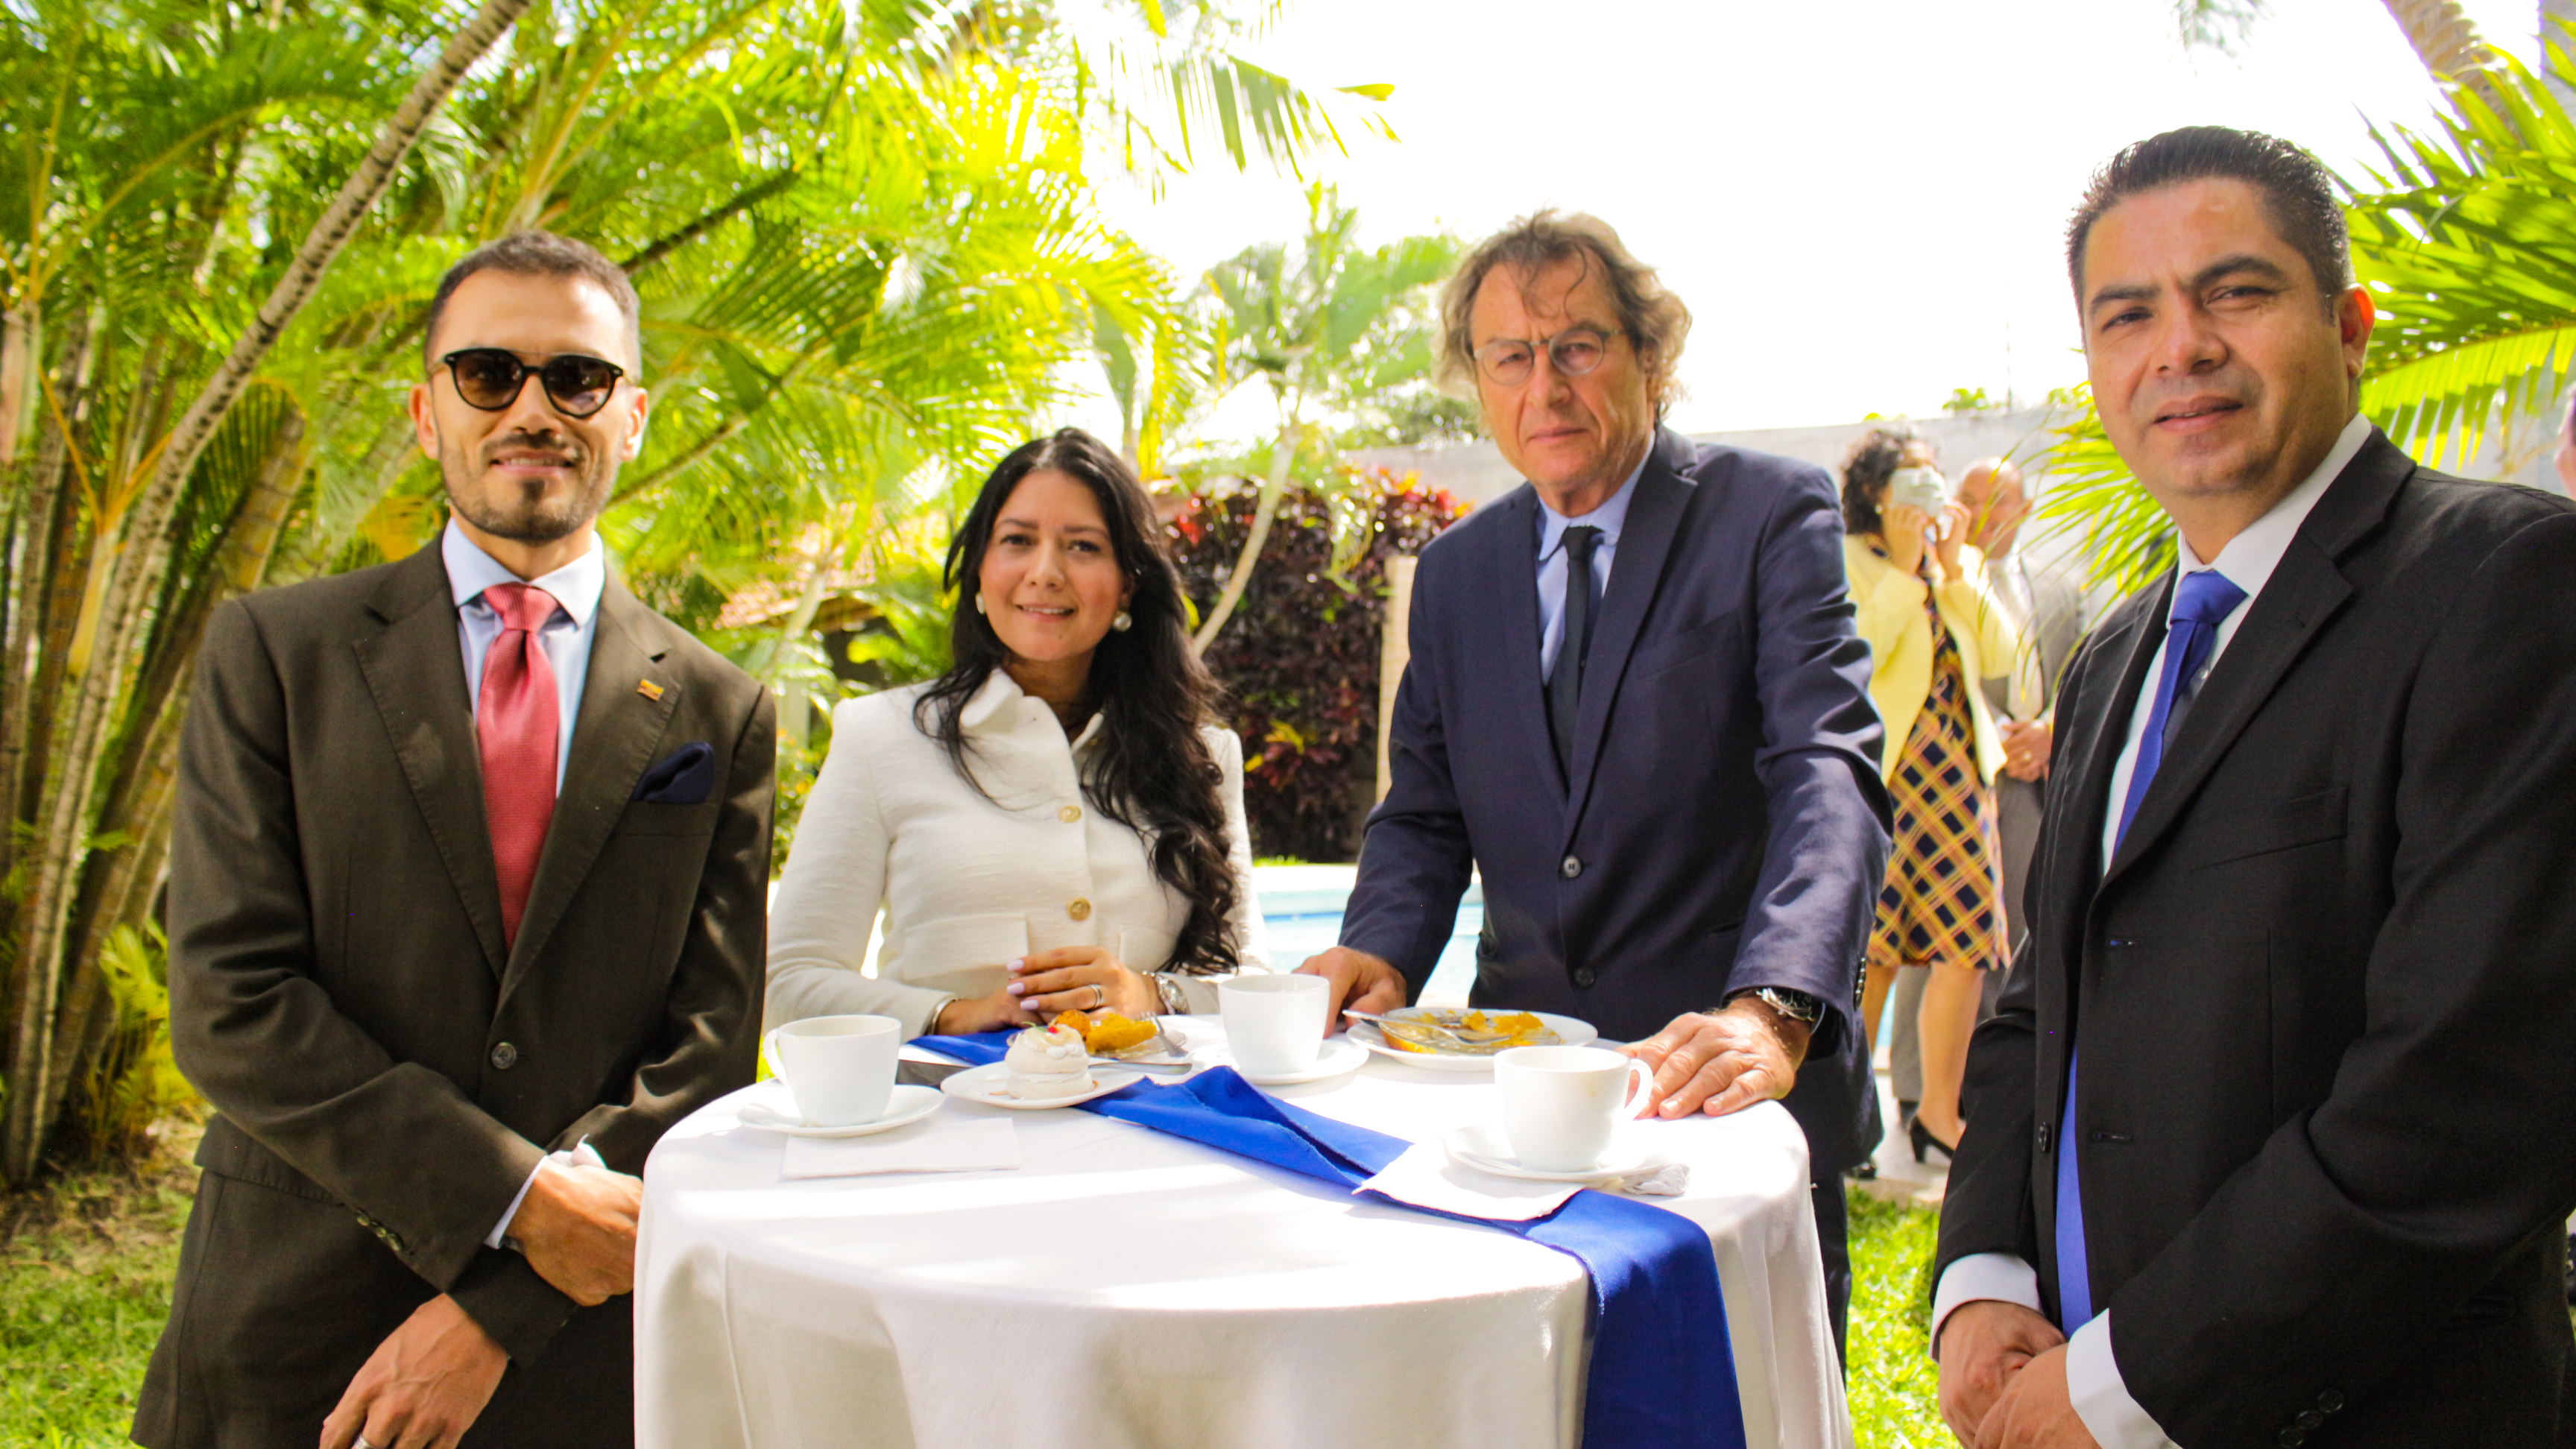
x=1638 y=703
x=2267 y=1144
x=467 y=890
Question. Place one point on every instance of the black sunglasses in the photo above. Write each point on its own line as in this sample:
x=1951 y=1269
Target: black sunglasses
x=490 y=378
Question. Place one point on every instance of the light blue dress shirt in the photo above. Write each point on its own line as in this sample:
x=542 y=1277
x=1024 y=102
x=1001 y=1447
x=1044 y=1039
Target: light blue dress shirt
x=565 y=638
x=1610 y=517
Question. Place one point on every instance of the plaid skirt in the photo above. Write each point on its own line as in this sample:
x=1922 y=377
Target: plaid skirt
x=1943 y=899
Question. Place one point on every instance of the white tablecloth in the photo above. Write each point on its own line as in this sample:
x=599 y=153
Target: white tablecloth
x=1127 y=1288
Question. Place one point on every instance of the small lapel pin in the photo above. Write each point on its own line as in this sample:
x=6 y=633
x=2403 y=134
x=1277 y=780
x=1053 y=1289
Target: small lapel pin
x=648 y=689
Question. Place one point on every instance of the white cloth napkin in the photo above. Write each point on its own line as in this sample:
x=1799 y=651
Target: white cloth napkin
x=934 y=1146
x=1426 y=1176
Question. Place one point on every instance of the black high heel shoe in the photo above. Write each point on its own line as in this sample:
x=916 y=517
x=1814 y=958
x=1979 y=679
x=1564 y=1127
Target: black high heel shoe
x=1921 y=1136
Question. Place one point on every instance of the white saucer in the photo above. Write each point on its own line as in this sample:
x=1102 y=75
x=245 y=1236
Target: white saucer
x=1338 y=1057
x=1482 y=1146
x=1569 y=1031
x=908 y=1104
x=988 y=1085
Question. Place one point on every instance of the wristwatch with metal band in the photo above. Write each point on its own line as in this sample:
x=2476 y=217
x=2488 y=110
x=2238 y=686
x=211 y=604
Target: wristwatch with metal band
x=1795 y=1004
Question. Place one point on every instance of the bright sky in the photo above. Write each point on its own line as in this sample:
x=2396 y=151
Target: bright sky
x=1862 y=202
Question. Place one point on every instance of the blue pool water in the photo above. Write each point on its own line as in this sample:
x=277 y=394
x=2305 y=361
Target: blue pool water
x=1301 y=909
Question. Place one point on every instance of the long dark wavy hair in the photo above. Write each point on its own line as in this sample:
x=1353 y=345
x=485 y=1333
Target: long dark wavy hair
x=1151 y=771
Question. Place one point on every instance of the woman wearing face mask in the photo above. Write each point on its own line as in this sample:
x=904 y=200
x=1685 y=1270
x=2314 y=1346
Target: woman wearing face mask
x=1935 y=631
x=1055 y=823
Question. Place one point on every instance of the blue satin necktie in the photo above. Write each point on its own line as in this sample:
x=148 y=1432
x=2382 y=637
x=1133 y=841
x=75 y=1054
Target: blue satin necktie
x=2202 y=602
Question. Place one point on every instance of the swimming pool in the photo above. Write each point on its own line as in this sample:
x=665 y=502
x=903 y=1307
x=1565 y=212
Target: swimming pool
x=1301 y=909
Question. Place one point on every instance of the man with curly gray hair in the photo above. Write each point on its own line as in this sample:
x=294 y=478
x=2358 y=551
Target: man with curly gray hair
x=1637 y=703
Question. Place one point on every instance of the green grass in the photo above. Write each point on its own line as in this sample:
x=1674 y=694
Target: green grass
x=86 y=1262
x=85 y=1268
x=1895 y=1391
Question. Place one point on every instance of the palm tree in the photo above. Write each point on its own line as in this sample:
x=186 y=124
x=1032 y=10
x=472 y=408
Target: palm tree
x=1337 y=333
x=864 y=236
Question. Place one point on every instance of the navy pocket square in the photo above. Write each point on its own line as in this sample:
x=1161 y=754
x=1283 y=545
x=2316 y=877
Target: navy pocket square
x=686 y=776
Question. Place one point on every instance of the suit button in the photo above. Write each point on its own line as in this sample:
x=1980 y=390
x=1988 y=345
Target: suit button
x=1078 y=908
x=1069 y=814
x=2330 y=1401
x=1585 y=976
x=2043 y=1137
x=2311 y=1419
x=1571 y=868
x=504 y=1057
x=2292 y=1438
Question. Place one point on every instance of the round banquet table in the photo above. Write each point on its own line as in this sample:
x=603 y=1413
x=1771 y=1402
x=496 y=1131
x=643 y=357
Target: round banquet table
x=1125 y=1287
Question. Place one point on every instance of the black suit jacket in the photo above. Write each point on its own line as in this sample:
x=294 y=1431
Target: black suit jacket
x=1724 y=826
x=2326 y=991
x=386 y=1076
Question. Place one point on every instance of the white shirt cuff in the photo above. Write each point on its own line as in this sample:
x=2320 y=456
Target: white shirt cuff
x=580 y=1154
x=2002 y=1277
x=2101 y=1396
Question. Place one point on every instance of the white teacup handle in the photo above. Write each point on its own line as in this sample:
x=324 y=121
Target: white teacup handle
x=769 y=1054
x=1641 y=1078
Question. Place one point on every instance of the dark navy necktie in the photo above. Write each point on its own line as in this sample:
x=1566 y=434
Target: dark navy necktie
x=1565 y=682
x=2202 y=602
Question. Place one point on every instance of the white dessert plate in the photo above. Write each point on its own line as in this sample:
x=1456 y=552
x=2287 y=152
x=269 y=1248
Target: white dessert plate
x=1569 y=1031
x=1338 y=1057
x=907 y=1105
x=989 y=1086
x=1482 y=1146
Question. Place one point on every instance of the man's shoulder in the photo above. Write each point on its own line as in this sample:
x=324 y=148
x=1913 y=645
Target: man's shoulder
x=680 y=651
x=1755 y=471
x=2470 y=511
x=337 y=599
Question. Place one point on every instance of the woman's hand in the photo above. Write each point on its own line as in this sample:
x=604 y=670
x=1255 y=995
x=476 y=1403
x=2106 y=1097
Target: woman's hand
x=1901 y=528
x=1954 y=531
x=1081 y=978
x=965 y=1017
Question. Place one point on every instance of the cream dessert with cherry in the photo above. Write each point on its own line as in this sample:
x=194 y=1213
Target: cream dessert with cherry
x=1050 y=1061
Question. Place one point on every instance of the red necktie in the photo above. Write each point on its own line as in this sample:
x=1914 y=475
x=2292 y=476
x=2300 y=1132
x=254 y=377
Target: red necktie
x=515 y=721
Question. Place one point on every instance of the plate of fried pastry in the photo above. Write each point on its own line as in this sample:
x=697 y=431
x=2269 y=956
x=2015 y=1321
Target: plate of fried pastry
x=1464 y=1039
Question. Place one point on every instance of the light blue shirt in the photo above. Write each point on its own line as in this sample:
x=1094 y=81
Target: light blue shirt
x=565 y=638
x=1610 y=517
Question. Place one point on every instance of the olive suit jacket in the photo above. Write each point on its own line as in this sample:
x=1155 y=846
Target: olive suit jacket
x=2325 y=991
x=385 y=1075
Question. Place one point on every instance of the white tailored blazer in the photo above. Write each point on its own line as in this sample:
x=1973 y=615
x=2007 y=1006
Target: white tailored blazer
x=964 y=883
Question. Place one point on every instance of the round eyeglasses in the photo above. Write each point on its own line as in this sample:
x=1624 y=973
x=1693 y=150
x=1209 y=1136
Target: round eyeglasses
x=489 y=378
x=1572 y=352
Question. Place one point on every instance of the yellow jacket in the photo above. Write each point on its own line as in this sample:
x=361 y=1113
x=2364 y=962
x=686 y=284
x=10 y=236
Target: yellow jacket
x=1900 y=641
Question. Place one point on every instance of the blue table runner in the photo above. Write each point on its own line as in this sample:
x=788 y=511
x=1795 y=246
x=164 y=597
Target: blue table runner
x=1662 y=1373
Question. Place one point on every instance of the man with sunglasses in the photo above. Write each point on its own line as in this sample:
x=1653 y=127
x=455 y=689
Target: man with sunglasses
x=1637 y=703
x=466 y=907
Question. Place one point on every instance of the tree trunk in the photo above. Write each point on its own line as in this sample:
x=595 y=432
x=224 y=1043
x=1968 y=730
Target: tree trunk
x=1281 y=460
x=2446 y=40
x=139 y=564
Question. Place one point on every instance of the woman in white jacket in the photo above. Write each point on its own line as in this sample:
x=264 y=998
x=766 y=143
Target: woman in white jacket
x=1055 y=823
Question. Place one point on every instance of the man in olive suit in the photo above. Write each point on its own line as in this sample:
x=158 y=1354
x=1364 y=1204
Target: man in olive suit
x=466 y=909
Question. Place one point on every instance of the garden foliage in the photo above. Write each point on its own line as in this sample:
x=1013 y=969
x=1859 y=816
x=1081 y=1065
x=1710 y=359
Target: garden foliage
x=1300 y=659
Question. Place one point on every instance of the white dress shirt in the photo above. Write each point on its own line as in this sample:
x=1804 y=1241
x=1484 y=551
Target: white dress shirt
x=1610 y=517
x=968 y=881
x=2093 y=1383
x=566 y=637
x=576 y=588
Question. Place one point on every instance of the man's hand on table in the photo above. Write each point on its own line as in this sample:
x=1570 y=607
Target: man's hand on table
x=1983 y=1348
x=423 y=1387
x=1360 y=981
x=1722 y=1061
x=577 y=1228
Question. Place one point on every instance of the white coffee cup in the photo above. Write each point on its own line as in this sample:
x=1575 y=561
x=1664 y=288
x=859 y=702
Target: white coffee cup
x=1562 y=1103
x=840 y=1068
x=1274 y=1025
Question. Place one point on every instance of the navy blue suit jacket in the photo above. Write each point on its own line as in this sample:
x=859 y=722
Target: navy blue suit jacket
x=1724 y=827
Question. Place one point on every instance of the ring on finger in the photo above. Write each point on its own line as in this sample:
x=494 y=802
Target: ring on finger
x=1099 y=996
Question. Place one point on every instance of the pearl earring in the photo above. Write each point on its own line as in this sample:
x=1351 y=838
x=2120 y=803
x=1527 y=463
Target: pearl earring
x=979 y=604
x=1122 y=621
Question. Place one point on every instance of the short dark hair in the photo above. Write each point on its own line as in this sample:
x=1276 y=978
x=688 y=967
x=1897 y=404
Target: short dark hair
x=539 y=254
x=1872 y=459
x=2298 y=193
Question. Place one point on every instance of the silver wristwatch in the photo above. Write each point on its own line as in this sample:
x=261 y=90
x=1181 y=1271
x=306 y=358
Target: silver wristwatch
x=1795 y=1004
